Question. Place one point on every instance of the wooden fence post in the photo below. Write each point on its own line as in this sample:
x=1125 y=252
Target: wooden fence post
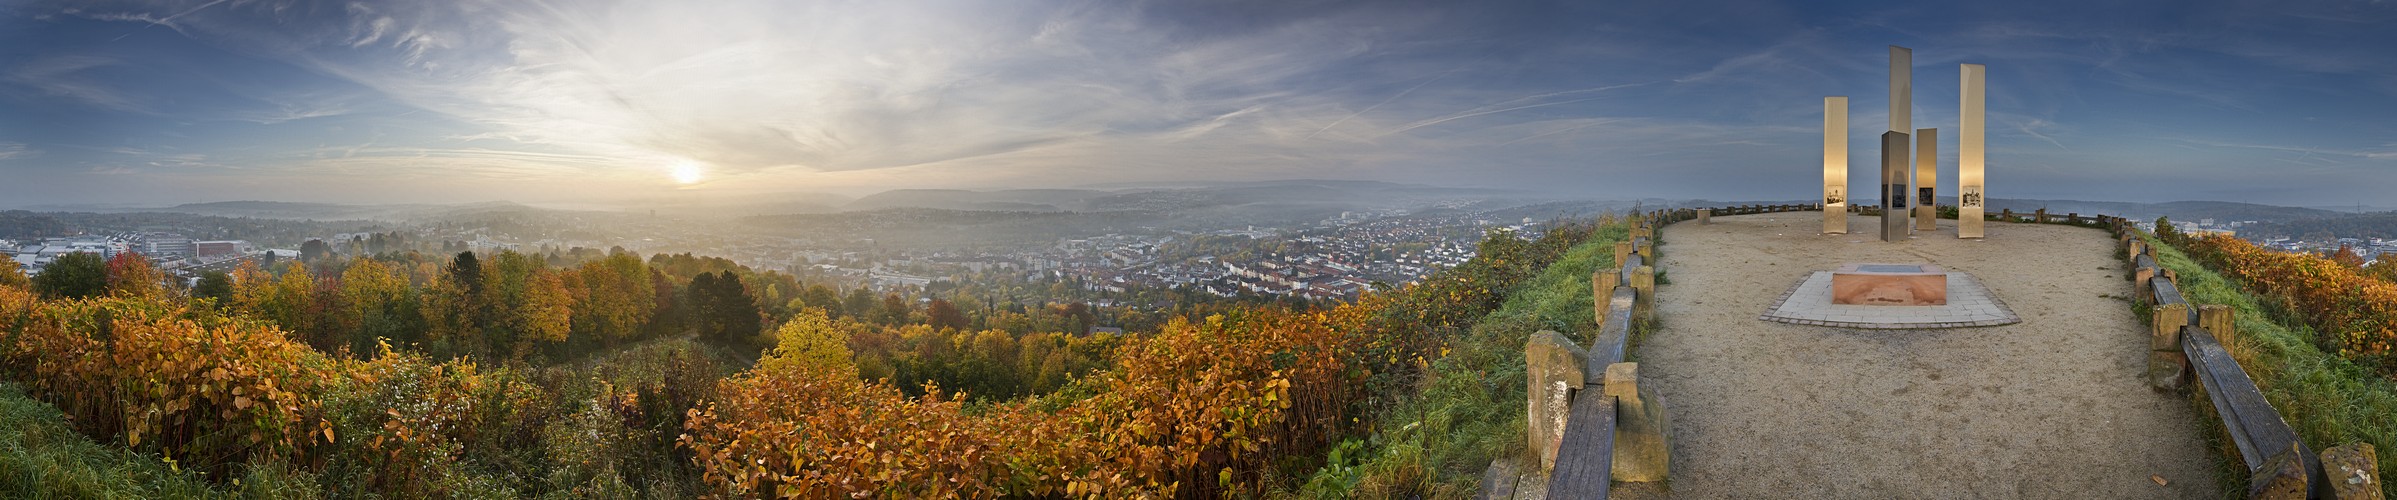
x=2140 y=291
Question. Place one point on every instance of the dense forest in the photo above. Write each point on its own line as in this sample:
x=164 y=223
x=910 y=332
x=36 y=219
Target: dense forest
x=508 y=374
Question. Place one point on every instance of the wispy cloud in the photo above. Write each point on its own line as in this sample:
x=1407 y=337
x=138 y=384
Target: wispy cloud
x=17 y=150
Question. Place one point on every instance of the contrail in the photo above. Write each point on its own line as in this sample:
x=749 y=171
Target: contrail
x=163 y=20
x=1560 y=131
x=1485 y=110
x=1409 y=90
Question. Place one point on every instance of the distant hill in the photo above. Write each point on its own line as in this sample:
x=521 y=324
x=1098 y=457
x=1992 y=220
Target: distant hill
x=2178 y=210
x=1011 y=200
x=295 y=210
x=2374 y=225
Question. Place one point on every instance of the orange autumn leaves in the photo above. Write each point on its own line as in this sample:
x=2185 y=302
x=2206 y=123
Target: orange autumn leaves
x=1198 y=409
x=204 y=390
x=2352 y=312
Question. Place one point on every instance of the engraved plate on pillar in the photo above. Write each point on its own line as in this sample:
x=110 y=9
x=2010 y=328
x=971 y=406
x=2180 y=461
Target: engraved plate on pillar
x=1926 y=179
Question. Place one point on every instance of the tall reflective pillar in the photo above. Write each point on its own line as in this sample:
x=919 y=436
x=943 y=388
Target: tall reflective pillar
x=1969 y=201
x=1835 y=165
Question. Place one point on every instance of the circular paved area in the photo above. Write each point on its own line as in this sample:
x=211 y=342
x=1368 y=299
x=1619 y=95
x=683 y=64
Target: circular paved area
x=2052 y=407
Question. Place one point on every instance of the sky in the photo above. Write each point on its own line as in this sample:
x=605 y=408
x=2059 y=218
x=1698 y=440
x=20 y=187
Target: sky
x=161 y=102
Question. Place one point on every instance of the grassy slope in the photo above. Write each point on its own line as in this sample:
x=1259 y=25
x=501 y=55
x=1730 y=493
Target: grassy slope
x=40 y=457
x=1470 y=408
x=2328 y=399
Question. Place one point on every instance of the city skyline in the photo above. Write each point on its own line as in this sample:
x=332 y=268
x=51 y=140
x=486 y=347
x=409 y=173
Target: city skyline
x=172 y=102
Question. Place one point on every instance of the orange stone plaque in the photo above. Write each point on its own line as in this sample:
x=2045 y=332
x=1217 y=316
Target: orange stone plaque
x=1889 y=285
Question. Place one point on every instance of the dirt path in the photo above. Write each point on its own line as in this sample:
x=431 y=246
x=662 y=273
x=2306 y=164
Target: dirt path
x=2052 y=407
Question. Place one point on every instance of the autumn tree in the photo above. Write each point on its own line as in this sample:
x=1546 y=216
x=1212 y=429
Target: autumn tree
x=11 y=276
x=73 y=276
x=860 y=303
x=528 y=305
x=943 y=315
x=894 y=310
x=823 y=297
x=130 y=274
x=214 y=285
x=809 y=339
x=314 y=250
x=723 y=310
x=613 y=298
x=376 y=303
x=2346 y=257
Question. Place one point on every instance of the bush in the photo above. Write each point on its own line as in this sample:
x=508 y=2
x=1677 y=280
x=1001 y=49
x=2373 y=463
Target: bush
x=2352 y=313
x=208 y=396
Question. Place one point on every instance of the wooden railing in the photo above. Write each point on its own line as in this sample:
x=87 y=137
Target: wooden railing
x=2187 y=343
x=1609 y=398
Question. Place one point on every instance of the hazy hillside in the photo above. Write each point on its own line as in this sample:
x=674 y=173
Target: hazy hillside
x=1026 y=200
x=2376 y=225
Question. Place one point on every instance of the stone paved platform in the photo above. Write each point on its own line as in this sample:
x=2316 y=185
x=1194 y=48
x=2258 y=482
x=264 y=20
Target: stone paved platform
x=1969 y=305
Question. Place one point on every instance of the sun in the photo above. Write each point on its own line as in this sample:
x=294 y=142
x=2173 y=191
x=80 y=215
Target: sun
x=687 y=173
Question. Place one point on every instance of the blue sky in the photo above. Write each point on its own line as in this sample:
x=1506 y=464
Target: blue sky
x=2291 y=102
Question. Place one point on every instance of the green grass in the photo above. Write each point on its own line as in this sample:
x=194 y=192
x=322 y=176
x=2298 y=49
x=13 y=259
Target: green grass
x=1469 y=409
x=40 y=457
x=2329 y=400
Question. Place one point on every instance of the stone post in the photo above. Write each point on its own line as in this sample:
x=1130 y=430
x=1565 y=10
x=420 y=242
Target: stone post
x=2167 y=366
x=1554 y=371
x=1622 y=253
x=1602 y=286
x=1643 y=279
x=2039 y=217
x=1643 y=452
x=2282 y=477
x=2217 y=319
x=1705 y=216
x=2353 y=470
x=2139 y=283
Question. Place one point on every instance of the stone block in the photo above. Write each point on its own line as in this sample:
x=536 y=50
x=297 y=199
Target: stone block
x=1554 y=370
x=2166 y=336
x=2167 y=371
x=1622 y=252
x=1643 y=448
x=1889 y=285
x=2282 y=477
x=2217 y=319
x=1706 y=216
x=2353 y=470
x=2139 y=287
x=1643 y=279
x=1602 y=285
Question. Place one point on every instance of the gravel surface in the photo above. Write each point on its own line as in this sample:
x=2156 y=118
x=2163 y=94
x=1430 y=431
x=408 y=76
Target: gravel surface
x=2053 y=407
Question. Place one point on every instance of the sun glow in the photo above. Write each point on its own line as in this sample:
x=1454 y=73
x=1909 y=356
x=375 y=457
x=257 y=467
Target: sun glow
x=687 y=173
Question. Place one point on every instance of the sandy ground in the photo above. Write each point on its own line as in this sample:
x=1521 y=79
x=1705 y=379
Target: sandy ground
x=2052 y=407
